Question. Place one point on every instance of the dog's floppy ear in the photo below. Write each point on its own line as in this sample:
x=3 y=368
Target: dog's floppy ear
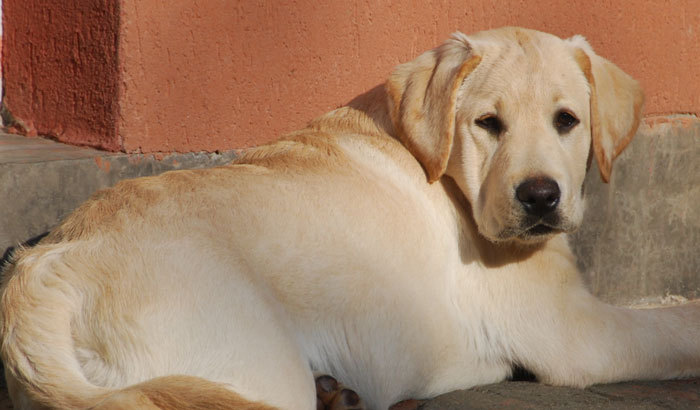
x=422 y=98
x=616 y=105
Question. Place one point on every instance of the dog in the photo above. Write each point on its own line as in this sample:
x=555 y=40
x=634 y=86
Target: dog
x=408 y=244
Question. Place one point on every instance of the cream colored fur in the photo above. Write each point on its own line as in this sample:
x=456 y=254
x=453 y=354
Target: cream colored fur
x=331 y=251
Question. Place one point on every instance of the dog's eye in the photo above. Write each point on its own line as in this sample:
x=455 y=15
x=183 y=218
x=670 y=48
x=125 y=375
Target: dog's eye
x=490 y=123
x=564 y=121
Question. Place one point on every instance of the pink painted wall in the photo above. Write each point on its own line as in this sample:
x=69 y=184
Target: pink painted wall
x=219 y=74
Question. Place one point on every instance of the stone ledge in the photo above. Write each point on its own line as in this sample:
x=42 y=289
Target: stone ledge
x=42 y=181
x=640 y=235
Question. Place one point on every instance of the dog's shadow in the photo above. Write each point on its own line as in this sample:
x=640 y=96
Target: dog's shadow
x=7 y=255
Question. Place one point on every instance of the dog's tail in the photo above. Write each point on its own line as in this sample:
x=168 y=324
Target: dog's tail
x=37 y=307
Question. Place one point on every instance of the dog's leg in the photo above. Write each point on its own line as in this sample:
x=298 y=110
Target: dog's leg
x=574 y=339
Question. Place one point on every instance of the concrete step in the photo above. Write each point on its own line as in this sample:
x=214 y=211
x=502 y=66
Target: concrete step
x=42 y=181
x=640 y=239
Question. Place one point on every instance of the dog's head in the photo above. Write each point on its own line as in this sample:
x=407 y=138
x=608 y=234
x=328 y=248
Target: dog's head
x=513 y=116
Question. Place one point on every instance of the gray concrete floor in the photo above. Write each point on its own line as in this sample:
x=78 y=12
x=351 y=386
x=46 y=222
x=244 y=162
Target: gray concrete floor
x=677 y=394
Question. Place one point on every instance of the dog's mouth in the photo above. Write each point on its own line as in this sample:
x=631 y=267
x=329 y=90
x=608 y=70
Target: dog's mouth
x=534 y=227
x=532 y=230
x=537 y=232
x=539 y=229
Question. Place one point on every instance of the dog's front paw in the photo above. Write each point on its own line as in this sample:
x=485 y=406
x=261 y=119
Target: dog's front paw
x=332 y=395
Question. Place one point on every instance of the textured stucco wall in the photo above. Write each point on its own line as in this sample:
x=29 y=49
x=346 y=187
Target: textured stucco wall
x=149 y=76
x=60 y=68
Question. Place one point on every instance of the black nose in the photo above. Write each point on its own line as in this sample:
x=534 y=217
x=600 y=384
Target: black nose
x=539 y=196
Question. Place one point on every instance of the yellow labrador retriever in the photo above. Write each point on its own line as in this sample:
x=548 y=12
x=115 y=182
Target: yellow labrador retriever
x=408 y=244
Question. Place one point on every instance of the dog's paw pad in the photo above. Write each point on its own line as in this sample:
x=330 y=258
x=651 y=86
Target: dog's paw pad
x=346 y=399
x=332 y=395
x=326 y=389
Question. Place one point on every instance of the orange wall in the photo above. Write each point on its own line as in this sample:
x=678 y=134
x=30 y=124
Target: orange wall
x=222 y=74
x=60 y=68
